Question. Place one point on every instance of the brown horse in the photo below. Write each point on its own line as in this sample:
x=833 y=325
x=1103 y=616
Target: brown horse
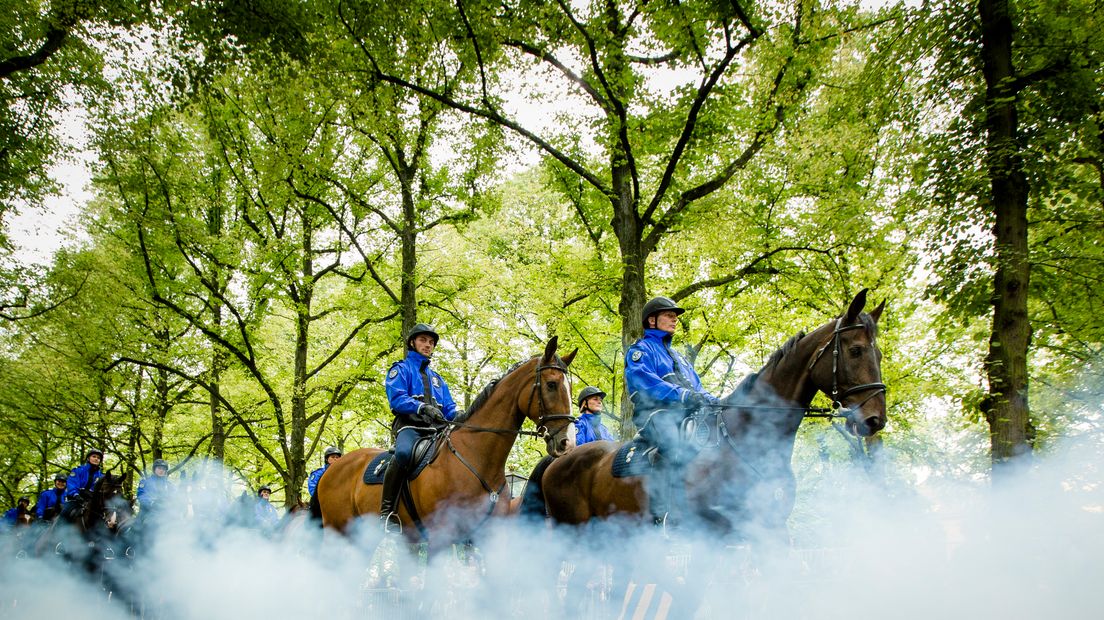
x=462 y=486
x=743 y=475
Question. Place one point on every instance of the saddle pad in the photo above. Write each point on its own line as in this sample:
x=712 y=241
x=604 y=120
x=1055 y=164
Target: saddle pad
x=631 y=460
x=423 y=455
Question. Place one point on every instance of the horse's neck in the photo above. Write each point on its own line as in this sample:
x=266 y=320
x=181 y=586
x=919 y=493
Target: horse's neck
x=787 y=384
x=488 y=451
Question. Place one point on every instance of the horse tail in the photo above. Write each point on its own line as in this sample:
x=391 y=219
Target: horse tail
x=316 y=508
x=532 y=501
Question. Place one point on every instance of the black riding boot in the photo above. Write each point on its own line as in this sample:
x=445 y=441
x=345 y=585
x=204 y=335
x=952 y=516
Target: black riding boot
x=392 y=485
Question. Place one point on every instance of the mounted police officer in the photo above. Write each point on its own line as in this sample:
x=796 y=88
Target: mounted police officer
x=154 y=490
x=78 y=487
x=17 y=515
x=664 y=390
x=49 y=501
x=265 y=514
x=422 y=404
x=589 y=426
x=329 y=456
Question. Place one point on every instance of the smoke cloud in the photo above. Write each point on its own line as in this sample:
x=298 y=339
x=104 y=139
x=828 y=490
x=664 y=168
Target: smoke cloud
x=1030 y=546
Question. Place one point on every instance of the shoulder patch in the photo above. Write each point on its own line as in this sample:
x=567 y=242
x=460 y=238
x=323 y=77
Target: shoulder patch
x=394 y=372
x=436 y=381
x=637 y=355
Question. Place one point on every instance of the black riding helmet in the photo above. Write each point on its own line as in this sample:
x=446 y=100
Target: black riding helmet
x=657 y=305
x=264 y=487
x=420 y=328
x=94 y=451
x=587 y=392
x=61 y=477
x=24 y=500
x=160 y=463
x=330 y=451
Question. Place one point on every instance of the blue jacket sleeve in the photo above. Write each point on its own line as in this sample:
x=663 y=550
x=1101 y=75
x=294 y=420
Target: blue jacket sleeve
x=642 y=376
x=398 y=391
x=40 y=505
x=76 y=481
x=143 y=491
x=605 y=434
x=312 y=481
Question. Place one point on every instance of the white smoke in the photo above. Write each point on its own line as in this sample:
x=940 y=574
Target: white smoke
x=1031 y=546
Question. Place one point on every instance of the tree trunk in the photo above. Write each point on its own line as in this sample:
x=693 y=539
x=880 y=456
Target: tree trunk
x=1010 y=430
x=409 y=247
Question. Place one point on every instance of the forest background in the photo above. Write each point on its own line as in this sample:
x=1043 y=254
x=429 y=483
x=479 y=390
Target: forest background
x=281 y=189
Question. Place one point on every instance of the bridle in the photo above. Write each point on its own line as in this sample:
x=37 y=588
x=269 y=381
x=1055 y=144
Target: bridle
x=836 y=395
x=542 y=429
x=838 y=410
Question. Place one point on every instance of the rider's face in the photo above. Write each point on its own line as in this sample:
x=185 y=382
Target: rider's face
x=424 y=344
x=594 y=403
x=331 y=458
x=61 y=484
x=160 y=471
x=95 y=459
x=667 y=321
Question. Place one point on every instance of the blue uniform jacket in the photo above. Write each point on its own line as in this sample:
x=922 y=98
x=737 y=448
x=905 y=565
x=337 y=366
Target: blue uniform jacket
x=153 y=490
x=649 y=364
x=589 y=428
x=12 y=515
x=267 y=515
x=82 y=477
x=404 y=387
x=315 y=476
x=48 y=499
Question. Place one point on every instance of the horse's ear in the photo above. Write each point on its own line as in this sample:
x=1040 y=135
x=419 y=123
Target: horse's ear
x=569 y=357
x=876 y=313
x=550 y=349
x=855 y=308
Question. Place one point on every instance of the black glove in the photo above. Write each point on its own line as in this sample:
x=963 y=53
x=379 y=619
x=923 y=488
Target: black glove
x=433 y=414
x=695 y=401
x=84 y=494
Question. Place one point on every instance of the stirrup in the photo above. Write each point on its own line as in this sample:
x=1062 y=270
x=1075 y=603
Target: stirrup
x=392 y=524
x=667 y=524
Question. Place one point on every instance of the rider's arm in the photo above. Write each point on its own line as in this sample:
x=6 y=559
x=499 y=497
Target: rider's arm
x=642 y=376
x=398 y=391
x=75 y=483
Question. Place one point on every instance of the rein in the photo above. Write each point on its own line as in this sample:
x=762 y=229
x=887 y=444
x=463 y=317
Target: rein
x=542 y=431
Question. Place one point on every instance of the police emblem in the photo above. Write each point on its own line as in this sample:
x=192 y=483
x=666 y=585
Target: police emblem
x=637 y=355
x=394 y=373
x=436 y=382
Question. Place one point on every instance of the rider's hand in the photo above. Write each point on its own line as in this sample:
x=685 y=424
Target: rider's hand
x=695 y=401
x=84 y=494
x=432 y=413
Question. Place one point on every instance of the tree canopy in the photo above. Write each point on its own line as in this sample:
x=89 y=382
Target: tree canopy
x=281 y=190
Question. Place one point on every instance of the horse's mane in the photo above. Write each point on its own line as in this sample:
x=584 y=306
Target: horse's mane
x=784 y=350
x=485 y=395
x=776 y=357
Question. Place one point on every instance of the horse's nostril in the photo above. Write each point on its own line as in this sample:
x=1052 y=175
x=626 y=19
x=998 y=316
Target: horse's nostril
x=875 y=423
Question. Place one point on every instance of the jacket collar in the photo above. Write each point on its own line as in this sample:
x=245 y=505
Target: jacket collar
x=416 y=357
x=658 y=334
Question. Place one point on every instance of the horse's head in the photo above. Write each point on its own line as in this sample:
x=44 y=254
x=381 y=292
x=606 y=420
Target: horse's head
x=108 y=500
x=847 y=366
x=548 y=404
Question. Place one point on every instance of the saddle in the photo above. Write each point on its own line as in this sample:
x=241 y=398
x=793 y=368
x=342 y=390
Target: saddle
x=426 y=450
x=638 y=457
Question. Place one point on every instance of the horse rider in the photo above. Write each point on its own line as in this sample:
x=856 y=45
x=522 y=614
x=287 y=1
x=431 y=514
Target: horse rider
x=329 y=456
x=422 y=404
x=664 y=390
x=83 y=478
x=589 y=426
x=155 y=489
x=14 y=516
x=266 y=515
x=49 y=502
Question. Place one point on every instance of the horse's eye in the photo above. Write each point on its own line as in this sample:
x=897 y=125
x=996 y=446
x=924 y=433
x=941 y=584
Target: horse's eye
x=552 y=386
x=856 y=351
